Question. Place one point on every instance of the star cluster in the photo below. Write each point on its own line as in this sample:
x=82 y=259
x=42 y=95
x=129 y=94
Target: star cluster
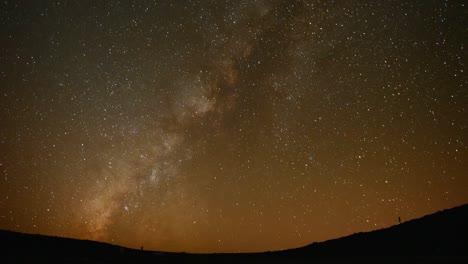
x=229 y=126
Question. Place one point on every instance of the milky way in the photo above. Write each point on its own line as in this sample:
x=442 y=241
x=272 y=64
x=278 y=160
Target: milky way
x=229 y=126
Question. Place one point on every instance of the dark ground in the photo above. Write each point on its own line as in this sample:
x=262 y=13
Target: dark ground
x=438 y=238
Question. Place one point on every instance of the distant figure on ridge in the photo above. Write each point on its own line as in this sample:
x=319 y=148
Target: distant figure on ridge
x=141 y=247
x=399 y=220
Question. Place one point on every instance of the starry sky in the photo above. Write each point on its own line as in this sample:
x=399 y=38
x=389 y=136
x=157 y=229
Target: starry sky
x=229 y=126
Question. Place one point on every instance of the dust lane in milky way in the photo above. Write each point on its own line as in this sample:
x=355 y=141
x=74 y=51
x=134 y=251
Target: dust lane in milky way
x=229 y=126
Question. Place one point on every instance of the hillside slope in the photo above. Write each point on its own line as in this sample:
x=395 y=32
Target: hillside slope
x=438 y=238
x=441 y=233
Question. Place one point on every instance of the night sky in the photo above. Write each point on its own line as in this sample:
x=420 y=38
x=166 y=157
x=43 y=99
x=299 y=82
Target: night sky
x=230 y=126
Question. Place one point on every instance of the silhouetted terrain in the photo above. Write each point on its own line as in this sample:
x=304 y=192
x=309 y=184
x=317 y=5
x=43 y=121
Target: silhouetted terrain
x=438 y=238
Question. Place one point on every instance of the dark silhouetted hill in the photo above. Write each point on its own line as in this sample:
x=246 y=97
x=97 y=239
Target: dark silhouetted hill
x=444 y=233
x=438 y=238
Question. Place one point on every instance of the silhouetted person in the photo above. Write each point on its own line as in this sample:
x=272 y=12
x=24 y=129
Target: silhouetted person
x=141 y=247
x=399 y=220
